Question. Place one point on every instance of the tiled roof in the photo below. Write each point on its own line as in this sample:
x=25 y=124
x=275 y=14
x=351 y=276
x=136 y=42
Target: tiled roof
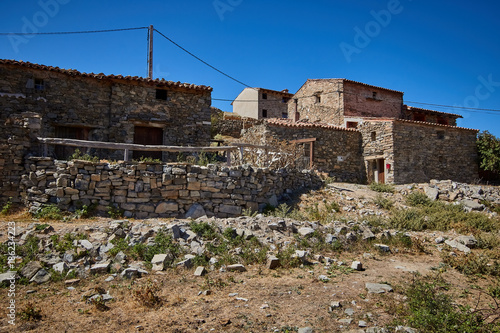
x=418 y=123
x=276 y=92
x=101 y=76
x=433 y=124
x=356 y=82
x=303 y=124
x=369 y=85
x=411 y=108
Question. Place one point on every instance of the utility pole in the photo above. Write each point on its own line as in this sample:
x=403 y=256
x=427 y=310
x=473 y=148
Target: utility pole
x=150 y=54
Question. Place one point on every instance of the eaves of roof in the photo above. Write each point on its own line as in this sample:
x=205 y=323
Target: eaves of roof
x=101 y=76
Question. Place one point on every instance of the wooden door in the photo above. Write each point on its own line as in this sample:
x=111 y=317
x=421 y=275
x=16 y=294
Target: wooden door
x=381 y=169
x=148 y=136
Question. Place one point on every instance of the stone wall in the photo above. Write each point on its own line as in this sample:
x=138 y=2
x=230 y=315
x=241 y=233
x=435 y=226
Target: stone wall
x=17 y=136
x=318 y=100
x=233 y=126
x=106 y=108
x=378 y=143
x=158 y=190
x=425 y=151
x=361 y=100
x=336 y=151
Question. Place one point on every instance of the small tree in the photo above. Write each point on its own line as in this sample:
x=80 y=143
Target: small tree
x=488 y=147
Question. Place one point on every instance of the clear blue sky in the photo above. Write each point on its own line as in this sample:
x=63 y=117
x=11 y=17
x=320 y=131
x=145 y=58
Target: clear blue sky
x=437 y=52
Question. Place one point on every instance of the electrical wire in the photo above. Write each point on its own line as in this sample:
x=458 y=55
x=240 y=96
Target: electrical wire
x=201 y=60
x=69 y=32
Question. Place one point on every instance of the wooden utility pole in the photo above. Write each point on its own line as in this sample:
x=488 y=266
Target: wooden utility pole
x=150 y=54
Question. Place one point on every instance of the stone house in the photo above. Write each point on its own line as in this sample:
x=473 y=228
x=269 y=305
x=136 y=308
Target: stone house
x=327 y=148
x=111 y=108
x=399 y=143
x=260 y=103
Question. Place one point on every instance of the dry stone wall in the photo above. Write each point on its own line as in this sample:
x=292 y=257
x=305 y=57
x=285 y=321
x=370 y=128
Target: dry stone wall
x=335 y=151
x=425 y=151
x=158 y=190
x=17 y=134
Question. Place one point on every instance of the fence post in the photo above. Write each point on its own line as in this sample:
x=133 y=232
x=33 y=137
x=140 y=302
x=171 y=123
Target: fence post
x=228 y=157
x=125 y=155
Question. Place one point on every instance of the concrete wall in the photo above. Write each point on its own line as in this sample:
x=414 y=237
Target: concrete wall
x=247 y=103
x=250 y=103
x=155 y=190
x=425 y=151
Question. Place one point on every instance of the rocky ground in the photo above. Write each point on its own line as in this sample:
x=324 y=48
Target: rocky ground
x=334 y=263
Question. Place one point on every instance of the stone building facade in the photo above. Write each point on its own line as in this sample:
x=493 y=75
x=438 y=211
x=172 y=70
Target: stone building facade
x=260 y=103
x=334 y=150
x=394 y=147
x=404 y=151
x=343 y=102
x=110 y=108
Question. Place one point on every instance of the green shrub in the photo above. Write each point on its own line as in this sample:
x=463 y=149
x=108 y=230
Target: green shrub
x=48 y=212
x=432 y=311
x=115 y=212
x=249 y=212
x=204 y=229
x=6 y=209
x=382 y=202
x=381 y=187
x=441 y=216
x=416 y=199
x=77 y=155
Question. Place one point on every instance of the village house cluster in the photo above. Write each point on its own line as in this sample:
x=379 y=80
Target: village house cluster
x=353 y=131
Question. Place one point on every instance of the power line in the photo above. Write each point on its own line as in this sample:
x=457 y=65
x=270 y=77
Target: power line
x=201 y=60
x=454 y=107
x=69 y=32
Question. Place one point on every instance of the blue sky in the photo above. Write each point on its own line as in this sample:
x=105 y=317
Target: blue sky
x=436 y=52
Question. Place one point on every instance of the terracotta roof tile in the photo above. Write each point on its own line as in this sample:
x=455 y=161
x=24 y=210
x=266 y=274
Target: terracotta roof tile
x=419 y=123
x=412 y=108
x=301 y=124
x=102 y=76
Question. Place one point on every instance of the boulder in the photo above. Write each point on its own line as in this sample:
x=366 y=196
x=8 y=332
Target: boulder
x=378 y=288
x=41 y=276
x=31 y=269
x=195 y=211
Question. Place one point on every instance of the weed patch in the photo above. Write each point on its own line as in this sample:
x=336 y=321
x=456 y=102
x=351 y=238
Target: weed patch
x=381 y=187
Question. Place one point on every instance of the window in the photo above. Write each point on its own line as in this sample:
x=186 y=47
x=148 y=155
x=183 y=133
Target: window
x=373 y=136
x=374 y=95
x=351 y=124
x=318 y=99
x=39 y=84
x=285 y=99
x=284 y=115
x=440 y=135
x=264 y=96
x=161 y=94
x=264 y=113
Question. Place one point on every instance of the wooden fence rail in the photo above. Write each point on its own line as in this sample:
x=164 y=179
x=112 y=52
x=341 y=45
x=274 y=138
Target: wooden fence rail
x=127 y=147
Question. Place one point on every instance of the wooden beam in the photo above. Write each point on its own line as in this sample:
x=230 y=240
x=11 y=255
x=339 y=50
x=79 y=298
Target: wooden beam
x=130 y=146
x=303 y=140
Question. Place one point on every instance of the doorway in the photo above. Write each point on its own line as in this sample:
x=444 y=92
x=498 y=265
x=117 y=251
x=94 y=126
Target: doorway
x=148 y=136
x=381 y=171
